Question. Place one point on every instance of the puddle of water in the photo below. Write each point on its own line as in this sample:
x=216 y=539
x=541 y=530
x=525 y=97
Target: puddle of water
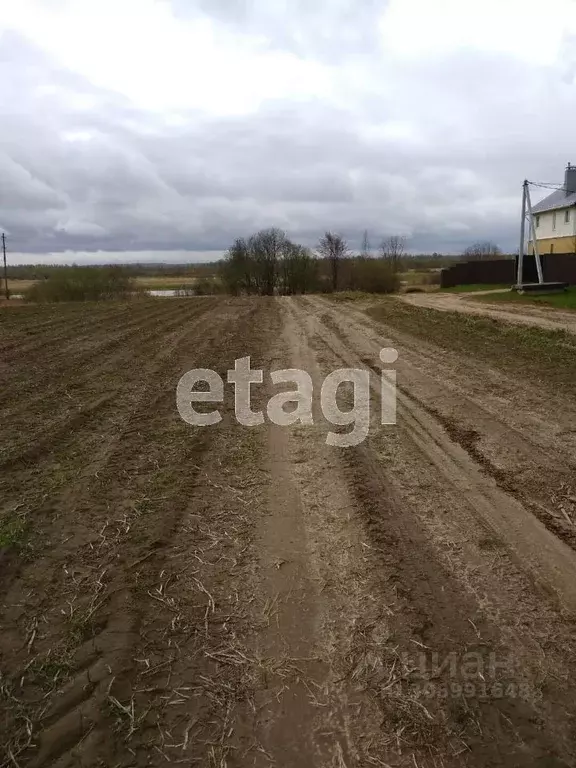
x=166 y=294
x=171 y=294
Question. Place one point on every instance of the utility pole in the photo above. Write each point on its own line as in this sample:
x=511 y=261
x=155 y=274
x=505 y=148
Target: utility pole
x=5 y=266
x=533 y=236
x=520 y=276
x=365 y=252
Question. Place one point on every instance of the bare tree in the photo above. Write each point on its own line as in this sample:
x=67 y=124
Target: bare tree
x=237 y=269
x=483 y=251
x=253 y=265
x=365 y=249
x=393 y=249
x=334 y=248
x=266 y=248
x=299 y=270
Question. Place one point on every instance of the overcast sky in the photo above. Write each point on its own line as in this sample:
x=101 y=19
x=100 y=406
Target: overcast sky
x=150 y=125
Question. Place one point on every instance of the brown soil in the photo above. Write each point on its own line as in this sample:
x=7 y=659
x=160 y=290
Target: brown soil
x=234 y=596
x=537 y=316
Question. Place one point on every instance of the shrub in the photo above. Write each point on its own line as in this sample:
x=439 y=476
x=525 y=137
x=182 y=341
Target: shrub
x=432 y=278
x=373 y=276
x=268 y=263
x=351 y=296
x=83 y=284
x=206 y=286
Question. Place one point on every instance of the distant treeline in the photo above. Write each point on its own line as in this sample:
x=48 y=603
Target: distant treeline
x=43 y=271
x=83 y=284
x=268 y=262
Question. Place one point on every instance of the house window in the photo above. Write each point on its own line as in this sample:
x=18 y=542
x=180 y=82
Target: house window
x=554 y=220
x=537 y=221
x=567 y=215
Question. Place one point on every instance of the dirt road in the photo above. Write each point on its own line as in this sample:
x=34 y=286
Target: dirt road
x=251 y=596
x=538 y=316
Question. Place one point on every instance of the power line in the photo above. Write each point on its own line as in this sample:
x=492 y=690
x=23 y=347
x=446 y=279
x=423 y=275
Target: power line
x=546 y=185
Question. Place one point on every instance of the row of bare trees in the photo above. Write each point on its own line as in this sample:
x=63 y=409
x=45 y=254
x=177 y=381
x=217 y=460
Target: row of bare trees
x=483 y=250
x=335 y=250
x=269 y=262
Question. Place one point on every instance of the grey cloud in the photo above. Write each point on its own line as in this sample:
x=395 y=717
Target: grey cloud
x=82 y=169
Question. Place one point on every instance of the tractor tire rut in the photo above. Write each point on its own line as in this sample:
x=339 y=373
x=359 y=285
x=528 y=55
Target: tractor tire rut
x=240 y=596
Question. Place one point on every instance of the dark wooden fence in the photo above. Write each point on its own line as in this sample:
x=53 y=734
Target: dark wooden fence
x=470 y=272
x=557 y=267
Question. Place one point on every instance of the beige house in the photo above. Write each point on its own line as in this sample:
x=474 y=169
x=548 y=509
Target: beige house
x=555 y=218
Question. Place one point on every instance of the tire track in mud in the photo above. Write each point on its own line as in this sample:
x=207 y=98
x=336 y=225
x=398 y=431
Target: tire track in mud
x=539 y=316
x=504 y=515
x=197 y=672
x=260 y=682
x=162 y=616
x=431 y=613
x=249 y=597
x=428 y=595
x=506 y=397
x=539 y=501
x=121 y=539
x=526 y=461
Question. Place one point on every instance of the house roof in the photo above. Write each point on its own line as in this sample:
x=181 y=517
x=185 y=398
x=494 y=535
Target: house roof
x=558 y=199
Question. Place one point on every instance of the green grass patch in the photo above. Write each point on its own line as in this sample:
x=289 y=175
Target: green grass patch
x=49 y=673
x=424 y=277
x=12 y=533
x=546 y=357
x=475 y=287
x=564 y=300
x=80 y=629
x=165 y=283
x=18 y=286
x=82 y=284
x=350 y=296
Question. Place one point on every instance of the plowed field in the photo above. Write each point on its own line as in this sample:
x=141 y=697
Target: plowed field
x=251 y=596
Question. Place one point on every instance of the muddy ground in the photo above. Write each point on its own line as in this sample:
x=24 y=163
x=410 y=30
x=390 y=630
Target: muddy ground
x=531 y=315
x=251 y=596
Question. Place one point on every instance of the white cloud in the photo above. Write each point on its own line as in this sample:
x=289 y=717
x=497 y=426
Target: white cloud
x=525 y=29
x=141 y=50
